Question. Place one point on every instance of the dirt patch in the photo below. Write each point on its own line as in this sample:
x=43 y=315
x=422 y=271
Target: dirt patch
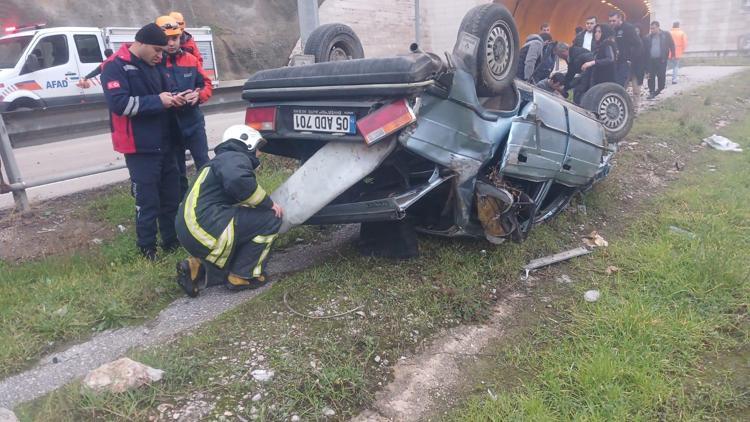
x=52 y=228
x=423 y=382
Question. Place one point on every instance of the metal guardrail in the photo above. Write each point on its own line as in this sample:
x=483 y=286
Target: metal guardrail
x=34 y=127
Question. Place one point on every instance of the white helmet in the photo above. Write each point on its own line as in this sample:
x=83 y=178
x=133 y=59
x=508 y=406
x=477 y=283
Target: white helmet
x=245 y=134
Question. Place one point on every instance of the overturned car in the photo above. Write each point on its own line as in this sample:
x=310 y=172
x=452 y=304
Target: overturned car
x=449 y=146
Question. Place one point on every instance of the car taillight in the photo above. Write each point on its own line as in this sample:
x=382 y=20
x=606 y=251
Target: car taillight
x=385 y=121
x=10 y=29
x=262 y=118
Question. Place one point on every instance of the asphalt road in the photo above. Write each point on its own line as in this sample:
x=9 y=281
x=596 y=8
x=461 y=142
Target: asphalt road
x=41 y=161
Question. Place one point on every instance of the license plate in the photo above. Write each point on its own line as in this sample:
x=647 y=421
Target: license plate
x=332 y=122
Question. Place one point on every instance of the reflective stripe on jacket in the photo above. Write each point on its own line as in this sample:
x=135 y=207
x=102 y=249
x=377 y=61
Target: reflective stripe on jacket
x=138 y=120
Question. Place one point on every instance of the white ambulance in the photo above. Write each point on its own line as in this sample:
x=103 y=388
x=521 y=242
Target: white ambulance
x=40 y=67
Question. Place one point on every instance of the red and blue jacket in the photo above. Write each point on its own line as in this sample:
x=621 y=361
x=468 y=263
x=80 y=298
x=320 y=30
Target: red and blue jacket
x=188 y=44
x=186 y=73
x=138 y=119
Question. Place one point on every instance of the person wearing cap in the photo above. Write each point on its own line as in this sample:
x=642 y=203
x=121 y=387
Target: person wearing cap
x=227 y=222
x=187 y=124
x=186 y=40
x=137 y=92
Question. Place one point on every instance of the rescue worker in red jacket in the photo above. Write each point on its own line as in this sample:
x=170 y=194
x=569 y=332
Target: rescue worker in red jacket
x=186 y=40
x=227 y=222
x=138 y=95
x=187 y=124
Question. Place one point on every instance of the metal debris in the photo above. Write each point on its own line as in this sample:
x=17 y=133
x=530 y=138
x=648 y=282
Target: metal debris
x=553 y=259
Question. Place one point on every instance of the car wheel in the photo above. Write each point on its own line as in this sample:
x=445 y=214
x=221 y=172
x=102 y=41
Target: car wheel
x=612 y=106
x=334 y=42
x=497 y=52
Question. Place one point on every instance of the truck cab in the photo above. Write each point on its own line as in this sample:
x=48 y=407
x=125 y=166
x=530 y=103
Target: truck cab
x=40 y=67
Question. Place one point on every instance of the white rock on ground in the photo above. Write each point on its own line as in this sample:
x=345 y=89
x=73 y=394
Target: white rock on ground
x=7 y=416
x=328 y=412
x=591 y=295
x=121 y=375
x=262 y=375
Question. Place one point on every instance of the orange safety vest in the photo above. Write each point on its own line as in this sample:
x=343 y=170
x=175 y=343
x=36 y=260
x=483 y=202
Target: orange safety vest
x=680 y=41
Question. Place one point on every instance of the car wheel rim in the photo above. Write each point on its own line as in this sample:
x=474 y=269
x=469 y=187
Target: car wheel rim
x=338 y=53
x=613 y=112
x=499 y=50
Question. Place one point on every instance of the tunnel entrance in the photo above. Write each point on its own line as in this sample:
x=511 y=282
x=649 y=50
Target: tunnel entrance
x=565 y=15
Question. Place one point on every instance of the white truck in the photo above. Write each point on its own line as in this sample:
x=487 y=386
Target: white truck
x=40 y=67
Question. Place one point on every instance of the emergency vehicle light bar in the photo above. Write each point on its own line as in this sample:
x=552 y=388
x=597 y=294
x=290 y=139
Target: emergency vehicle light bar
x=16 y=29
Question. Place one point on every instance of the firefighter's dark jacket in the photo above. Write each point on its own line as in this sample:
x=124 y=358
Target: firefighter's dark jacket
x=224 y=185
x=137 y=115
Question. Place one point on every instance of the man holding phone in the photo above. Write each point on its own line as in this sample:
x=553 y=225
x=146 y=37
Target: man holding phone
x=191 y=84
x=138 y=93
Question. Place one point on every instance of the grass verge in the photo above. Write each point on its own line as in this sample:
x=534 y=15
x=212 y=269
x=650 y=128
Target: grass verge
x=337 y=364
x=50 y=302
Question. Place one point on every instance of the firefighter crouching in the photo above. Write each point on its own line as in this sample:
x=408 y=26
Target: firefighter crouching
x=227 y=222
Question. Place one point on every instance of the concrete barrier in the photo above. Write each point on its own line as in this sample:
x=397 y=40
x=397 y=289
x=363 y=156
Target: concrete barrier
x=34 y=127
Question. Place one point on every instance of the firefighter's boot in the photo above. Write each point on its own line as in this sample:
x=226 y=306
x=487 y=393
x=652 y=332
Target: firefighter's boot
x=190 y=275
x=236 y=283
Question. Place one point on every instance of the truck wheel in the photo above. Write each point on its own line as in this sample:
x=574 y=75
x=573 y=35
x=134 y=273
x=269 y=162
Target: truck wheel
x=334 y=42
x=24 y=104
x=497 y=52
x=612 y=106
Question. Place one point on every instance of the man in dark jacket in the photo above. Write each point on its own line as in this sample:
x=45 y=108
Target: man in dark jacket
x=533 y=62
x=137 y=93
x=628 y=46
x=659 y=48
x=585 y=38
x=227 y=222
x=576 y=58
x=188 y=126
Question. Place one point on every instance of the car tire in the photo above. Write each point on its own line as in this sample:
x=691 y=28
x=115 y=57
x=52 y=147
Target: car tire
x=612 y=106
x=334 y=42
x=497 y=52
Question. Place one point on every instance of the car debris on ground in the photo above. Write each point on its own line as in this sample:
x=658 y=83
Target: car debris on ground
x=721 y=143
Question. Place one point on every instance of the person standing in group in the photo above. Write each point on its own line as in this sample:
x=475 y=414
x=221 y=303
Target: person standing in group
x=585 y=38
x=187 y=42
x=660 y=48
x=536 y=59
x=577 y=79
x=84 y=82
x=605 y=54
x=680 y=45
x=628 y=45
x=638 y=65
x=187 y=124
x=545 y=28
x=137 y=93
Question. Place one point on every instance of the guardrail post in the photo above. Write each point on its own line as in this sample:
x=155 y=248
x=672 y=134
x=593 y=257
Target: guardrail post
x=11 y=168
x=308 y=18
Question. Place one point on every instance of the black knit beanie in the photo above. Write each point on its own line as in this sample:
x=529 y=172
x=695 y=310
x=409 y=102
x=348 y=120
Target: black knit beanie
x=151 y=34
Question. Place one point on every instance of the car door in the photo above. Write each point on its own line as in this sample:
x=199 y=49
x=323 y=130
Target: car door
x=89 y=53
x=51 y=71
